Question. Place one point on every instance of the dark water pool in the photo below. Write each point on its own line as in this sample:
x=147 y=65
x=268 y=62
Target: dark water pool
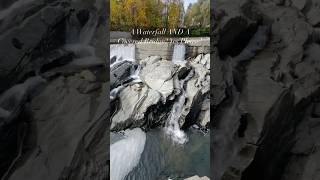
x=162 y=159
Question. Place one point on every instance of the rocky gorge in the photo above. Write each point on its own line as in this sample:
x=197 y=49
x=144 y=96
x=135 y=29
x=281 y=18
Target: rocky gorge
x=160 y=83
x=53 y=76
x=154 y=93
x=265 y=90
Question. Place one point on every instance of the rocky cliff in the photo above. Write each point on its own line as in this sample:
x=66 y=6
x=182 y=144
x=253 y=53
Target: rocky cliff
x=265 y=90
x=148 y=100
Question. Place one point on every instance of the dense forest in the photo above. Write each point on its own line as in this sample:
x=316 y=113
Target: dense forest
x=198 y=14
x=126 y=14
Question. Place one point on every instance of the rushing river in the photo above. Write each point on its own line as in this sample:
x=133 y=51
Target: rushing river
x=163 y=159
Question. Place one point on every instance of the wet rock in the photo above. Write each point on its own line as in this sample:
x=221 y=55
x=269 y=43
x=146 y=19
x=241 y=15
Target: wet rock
x=20 y=45
x=14 y=115
x=158 y=75
x=148 y=102
x=183 y=72
x=138 y=98
x=65 y=123
x=196 y=90
x=120 y=72
x=204 y=115
x=65 y=118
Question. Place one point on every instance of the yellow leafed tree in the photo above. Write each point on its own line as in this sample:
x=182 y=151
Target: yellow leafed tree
x=173 y=15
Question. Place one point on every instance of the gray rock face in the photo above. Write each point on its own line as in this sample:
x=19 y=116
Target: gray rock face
x=197 y=88
x=70 y=127
x=158 y=75
x=148 y=103
x=58 y=130
x=135 y=101
x=265 y=108
x=120 y=72
x=20 y=45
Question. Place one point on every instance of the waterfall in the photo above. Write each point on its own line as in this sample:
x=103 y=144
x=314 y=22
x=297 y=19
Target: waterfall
x=114 y=92
x=135 y=75
x=125 y=154
x=122 y=52
x=172 y=127
x=78 y=41
x=179 y=52
x=87 y=32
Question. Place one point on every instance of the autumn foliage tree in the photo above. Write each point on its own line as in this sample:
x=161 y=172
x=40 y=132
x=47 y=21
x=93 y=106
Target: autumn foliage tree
x=173 y=15
x=198 y=14
x=128 y=14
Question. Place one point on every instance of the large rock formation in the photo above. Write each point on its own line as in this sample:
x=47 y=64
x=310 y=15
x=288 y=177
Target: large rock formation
x=148 y=102
x=53 y=108
x=265 y=89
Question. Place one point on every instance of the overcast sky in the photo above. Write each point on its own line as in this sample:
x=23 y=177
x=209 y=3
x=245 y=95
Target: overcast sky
x=187 y=2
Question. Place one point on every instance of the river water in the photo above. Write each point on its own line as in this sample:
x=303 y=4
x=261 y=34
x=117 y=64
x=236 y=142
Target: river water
x=163 y=159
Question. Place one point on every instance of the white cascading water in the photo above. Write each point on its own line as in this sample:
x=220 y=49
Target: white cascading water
x=172 y=127
x=135 y=75
x=114 y=92
x=178 y=56
x=122 y=52
x=87 y=32
x=126 y=153
x=79 y=41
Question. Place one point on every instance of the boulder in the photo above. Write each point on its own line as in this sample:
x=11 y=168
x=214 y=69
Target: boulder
x=134 y=102
x=120 y=73
x=158 y=75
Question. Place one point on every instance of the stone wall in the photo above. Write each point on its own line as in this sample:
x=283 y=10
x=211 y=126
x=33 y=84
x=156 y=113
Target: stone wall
x=165 y=50
x=195 y=45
